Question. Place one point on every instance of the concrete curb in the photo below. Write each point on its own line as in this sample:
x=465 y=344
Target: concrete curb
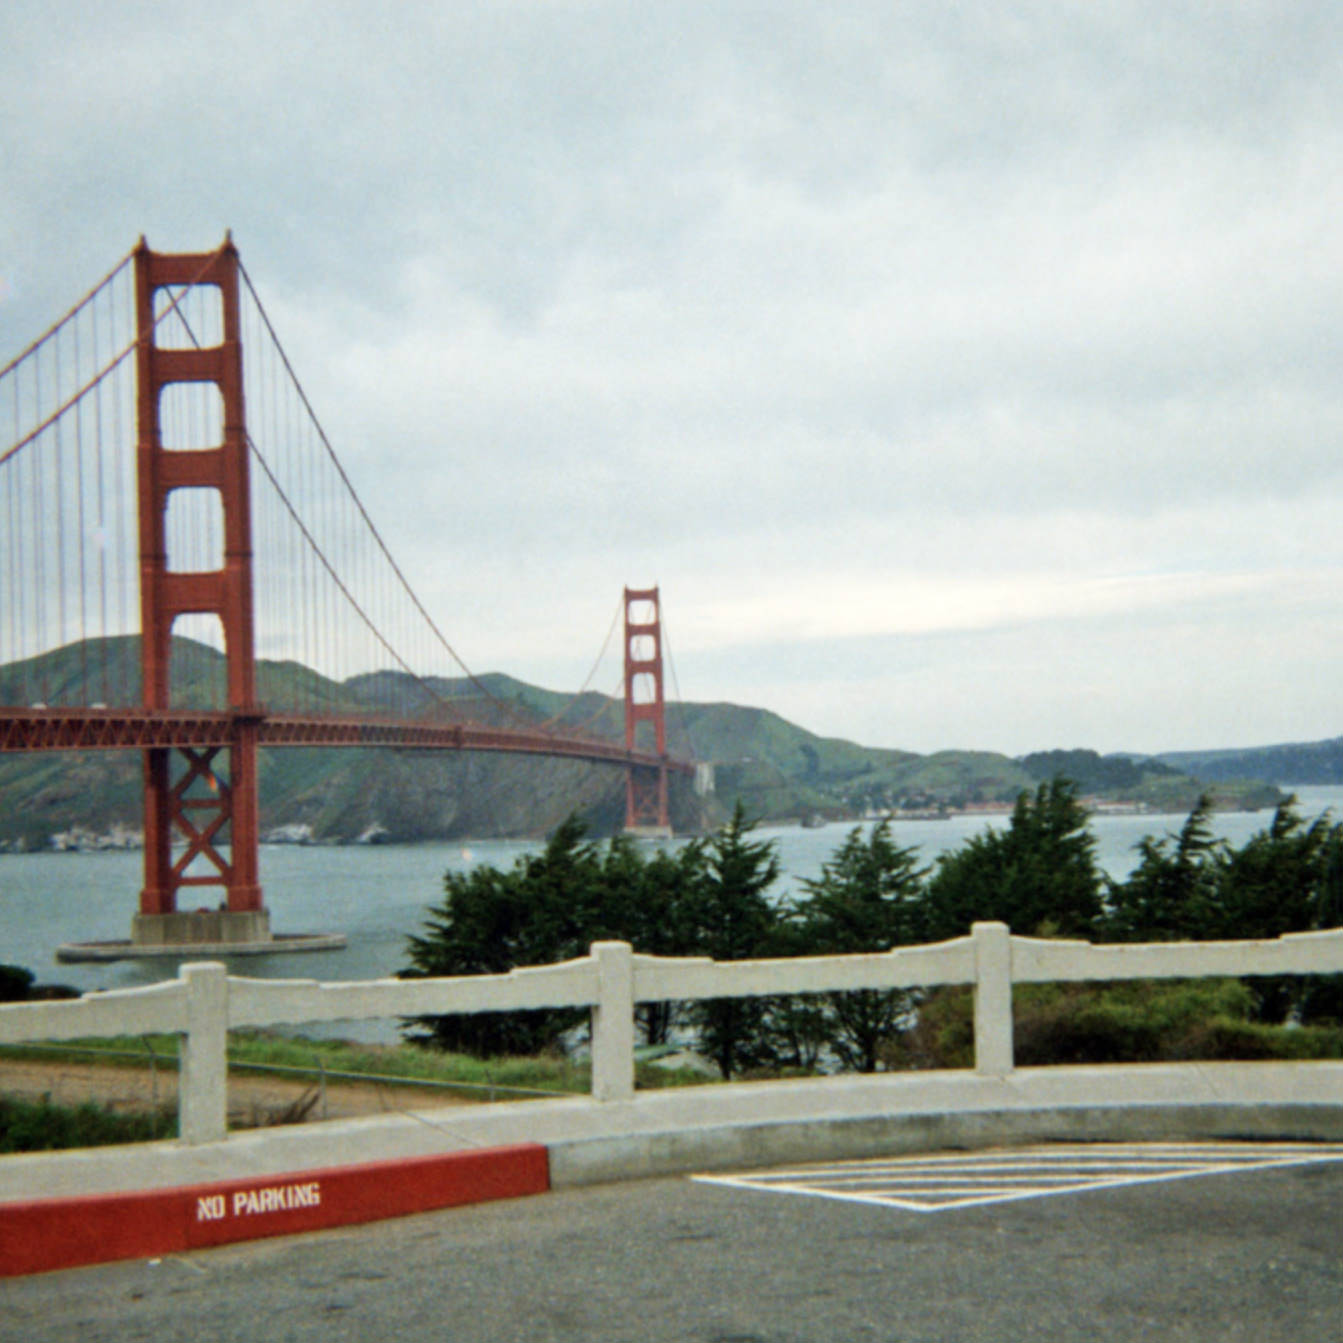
x=906 y=1101
x=581 y=1141
x=39 y=1235
x=44 y=1234
x=744 y=1146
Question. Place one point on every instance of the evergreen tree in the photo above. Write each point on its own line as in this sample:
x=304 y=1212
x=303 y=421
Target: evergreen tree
x=1273 y=884
x=869 y=897
x=1037 y=875
x=547 y=908
x=729 y=918
x=1322 y=995
x=1277 y=882
x=551 y=907
x=644 y=902
x=1287 y=878
x=1173 y=893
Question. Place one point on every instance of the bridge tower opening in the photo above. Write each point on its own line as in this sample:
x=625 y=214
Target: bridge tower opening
x=201 y=798
x=646 y=787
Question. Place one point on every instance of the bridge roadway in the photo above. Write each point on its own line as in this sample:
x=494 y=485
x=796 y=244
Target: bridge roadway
x=80 y=729
x=1251 y=1255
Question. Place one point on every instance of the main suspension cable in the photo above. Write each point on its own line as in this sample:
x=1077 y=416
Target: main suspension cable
x=587 y=683
x=293 y=513
x=74 y=312
x=98 y=377
x=363 y=512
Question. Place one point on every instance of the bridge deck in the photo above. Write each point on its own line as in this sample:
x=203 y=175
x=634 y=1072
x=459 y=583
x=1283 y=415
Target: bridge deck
x=79 y=729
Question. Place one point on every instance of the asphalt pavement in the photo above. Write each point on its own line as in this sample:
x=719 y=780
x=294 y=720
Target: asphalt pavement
x=1252 y=1253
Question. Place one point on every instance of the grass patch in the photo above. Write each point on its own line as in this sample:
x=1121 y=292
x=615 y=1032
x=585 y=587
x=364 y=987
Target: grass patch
x=113 y=1051
x=411 y=1062
x=552 y=1074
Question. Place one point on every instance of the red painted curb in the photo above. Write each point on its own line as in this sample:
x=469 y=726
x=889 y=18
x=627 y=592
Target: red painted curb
x=43 y=1234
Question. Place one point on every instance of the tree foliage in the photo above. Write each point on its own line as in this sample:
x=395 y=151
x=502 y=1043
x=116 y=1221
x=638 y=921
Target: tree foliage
x=729 y=917
x=715 y=898
x=869 y=897
x=539 y=912
x=1173 y=892
x=1092 y=772
x=647 y=902
x=551 y=907
x=1287 y=878
x=1037 y=875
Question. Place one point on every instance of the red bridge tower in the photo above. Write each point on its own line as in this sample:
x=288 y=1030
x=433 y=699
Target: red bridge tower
x=207 y=805
x=646 y=789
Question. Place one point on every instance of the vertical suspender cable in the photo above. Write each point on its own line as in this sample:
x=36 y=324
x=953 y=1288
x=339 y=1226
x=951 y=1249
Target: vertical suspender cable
x=126 y=692
x=12 y=480
x=40 y=607
x=60 y=507
x=79 y=485
x=101 y=534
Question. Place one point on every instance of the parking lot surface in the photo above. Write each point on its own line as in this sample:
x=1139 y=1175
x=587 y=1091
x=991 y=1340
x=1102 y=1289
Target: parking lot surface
x=1252 y=1251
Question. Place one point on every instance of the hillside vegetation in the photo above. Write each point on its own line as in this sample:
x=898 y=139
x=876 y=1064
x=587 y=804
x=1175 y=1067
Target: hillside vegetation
x=780 y=771
x=1309 y=762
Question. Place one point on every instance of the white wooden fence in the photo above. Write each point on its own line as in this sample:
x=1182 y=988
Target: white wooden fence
x=204 y=1003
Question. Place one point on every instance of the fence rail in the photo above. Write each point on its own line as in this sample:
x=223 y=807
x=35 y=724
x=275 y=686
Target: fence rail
x=204 y=1002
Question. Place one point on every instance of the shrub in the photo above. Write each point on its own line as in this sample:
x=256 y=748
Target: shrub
x=15 y=982
x=1130 y=1022
x=943 y=1034
x=39 y=1126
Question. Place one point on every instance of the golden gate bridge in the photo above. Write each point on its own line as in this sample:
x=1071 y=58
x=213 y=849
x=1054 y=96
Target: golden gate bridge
x=167 y=484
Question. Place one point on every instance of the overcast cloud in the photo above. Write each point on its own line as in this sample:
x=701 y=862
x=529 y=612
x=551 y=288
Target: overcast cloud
x=966 y=374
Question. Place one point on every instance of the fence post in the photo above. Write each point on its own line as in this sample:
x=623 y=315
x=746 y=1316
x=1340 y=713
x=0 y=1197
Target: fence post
x=993 y=999
x=613 y=1023
x=202 y=1083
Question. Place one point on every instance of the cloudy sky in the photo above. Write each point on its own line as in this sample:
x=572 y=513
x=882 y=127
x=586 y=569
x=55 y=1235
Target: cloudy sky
x=967 y=375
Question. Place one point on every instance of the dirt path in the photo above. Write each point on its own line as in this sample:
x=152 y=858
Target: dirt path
x=254 y=1099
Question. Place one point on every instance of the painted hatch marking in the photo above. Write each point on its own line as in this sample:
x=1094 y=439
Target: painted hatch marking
x=933 y=1183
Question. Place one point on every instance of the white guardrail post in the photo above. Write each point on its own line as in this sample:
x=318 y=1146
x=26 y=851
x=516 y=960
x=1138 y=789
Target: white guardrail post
x=993 y=999
x=613 y=1023
x=202 y=1080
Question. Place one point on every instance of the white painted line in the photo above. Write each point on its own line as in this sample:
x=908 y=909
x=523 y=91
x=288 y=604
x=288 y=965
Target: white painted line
x=958 y=1180
x=1096 y=1153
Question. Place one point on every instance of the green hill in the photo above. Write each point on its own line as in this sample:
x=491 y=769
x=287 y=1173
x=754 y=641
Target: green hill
x=1312 y=762
x=780 y=771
